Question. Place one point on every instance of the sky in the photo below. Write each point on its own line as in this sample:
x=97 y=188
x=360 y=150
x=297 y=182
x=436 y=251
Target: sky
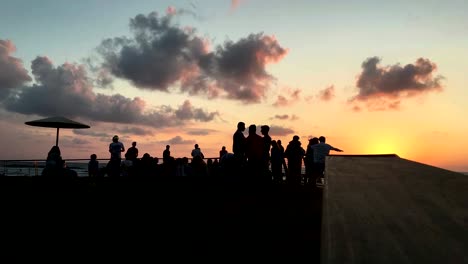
x=373 y=77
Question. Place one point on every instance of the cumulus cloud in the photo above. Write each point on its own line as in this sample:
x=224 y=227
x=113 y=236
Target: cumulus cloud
x=383 y=87
x=280 y=131
x=327 y=94
x=12 y=72
x=163 y=56
x=66 y=90
x=291 y=97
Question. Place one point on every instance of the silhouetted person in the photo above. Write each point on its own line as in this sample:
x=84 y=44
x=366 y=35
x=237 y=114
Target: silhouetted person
x=281 y=148
x=115 y=149
x=277 y=160
x=254 y=153
x=321 y=150
x=54 y=163
x=310 y=169
x=266 y=147
x=166 y=154
x=197 y=152
x=238 y=142
x=198 y=167
x=294 y=153
x=132 y=152
x=93 y=166
x=222 y=152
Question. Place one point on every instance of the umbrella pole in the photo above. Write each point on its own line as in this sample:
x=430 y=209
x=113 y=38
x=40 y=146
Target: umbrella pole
x=56 y=139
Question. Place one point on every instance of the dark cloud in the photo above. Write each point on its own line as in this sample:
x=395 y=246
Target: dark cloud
x=280 y=131
x=178 y=140
x=161 y=56
x=292 y=96
x=12 y=72
x=91 y=133
x=327 y=94
x=389 y=84
x=66 y=90
x=187 y=112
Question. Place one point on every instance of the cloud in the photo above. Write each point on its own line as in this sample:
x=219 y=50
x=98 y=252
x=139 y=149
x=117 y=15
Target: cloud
x=78 y=141
x=178 y=140
x=285 y=117
x=91 y=133
x=327 y=94
x=383 y=87
x=162 y=56
x=134 y=131
x=66 y=90
x=187 y=112
x=12 y=72
x=280 y=131
x=200 y=132
x=292 y=96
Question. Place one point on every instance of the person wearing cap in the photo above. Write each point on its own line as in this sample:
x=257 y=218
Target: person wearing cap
x=115 y=149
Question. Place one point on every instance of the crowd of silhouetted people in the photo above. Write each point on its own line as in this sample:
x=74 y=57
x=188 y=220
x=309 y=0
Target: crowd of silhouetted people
x=254 y=159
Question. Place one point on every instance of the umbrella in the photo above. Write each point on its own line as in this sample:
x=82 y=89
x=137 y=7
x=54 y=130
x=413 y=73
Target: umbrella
x=57 y=122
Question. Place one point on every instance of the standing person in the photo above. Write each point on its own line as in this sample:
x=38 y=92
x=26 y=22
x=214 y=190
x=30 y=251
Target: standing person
x=309 y=162
x=132 y=152
x=238 y=142
x=266 y=147
x=321 y=150
x=197 y=152
x=222 y=152
x=294 y=153
x=166 y=154
x=115 y=149
x=281 y=148
x=93 y=166
x=254 y=153
x=276 y=162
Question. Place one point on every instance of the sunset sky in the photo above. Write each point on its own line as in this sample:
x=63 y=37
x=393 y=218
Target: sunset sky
x=374 y=77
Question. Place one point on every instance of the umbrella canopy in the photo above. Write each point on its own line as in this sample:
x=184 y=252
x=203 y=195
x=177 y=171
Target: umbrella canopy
x=56 y=122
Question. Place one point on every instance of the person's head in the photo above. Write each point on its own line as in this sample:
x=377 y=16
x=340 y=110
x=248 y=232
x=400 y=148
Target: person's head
x=134 y=144
x=167 y=146
x=264 y=129
x=241 y=126
x=252 y=129
x=223 y=148
x=313 y=141
x=93 y=156
x=296 y=138
x=55 y=150
x=115 y=138
x=196 y=146
x=279 y=142
x=321 y=139
x=274 y=144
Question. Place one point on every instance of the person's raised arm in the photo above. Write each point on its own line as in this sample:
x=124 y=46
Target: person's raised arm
x=337 y=149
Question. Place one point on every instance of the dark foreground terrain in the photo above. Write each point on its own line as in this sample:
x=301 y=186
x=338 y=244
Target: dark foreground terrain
x=171 y=219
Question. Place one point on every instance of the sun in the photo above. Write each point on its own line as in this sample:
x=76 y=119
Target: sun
x=383 y=146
